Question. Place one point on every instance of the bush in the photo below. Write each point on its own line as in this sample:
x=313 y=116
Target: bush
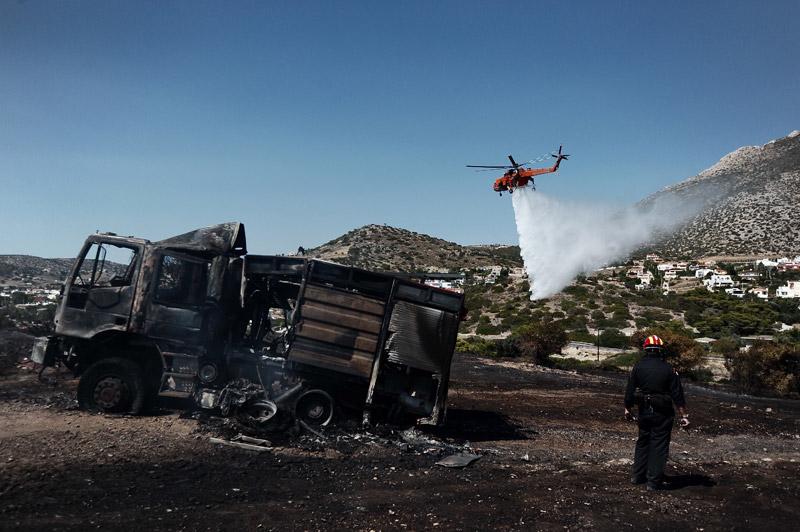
x=476 y=346
x=570 y=363
x=614 y=338
x=538 y=341
x=487 y=329
x=766 y=367
x=582 y=336
x=508 y=347
x=623 y=361
x=701 y=375
x=681 y=351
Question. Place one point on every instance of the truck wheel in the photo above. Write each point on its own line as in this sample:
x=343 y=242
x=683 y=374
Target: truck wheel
x=314 y=408
x=112 y=385
x=256 y=413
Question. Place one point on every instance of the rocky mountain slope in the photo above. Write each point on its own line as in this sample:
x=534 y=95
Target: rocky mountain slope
x=749 y=204
x=20 y=270
x=384 y=248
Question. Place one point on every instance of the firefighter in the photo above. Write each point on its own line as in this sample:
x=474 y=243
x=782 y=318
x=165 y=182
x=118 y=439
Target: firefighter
x=654 y=386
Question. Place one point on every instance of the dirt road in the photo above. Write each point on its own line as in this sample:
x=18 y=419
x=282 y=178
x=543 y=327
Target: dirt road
x=554 y=454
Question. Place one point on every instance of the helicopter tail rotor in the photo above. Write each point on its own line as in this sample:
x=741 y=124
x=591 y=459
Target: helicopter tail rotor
x=560 y=156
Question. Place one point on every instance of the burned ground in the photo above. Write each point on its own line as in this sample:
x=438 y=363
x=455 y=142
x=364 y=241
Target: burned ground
x=554 y=453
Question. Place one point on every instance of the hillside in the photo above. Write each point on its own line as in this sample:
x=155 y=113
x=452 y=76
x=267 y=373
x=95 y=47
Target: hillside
x=748 y=204
x=21 y=270
x=384 y=248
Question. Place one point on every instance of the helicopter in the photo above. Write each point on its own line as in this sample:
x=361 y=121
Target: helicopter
x=517 y=176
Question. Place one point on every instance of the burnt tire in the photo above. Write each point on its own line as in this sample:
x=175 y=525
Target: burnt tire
x=112 y=385
x=314 y=408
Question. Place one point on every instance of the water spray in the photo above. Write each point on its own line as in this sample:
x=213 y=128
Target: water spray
x=559 y=240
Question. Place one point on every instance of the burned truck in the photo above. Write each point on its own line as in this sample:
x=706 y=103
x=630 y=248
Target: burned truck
x=196 y=317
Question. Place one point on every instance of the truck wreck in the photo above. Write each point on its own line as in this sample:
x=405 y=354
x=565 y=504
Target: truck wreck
x=196 y=317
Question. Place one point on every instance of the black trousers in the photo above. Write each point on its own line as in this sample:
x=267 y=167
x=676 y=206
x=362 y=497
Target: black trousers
x=652 y=447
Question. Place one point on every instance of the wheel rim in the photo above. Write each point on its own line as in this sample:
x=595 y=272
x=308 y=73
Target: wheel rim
x=110 y=392
x=315 y=412
x=258 y=412
x=315 y=408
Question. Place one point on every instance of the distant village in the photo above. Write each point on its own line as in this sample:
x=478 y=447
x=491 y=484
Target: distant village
x=655 y=273
x=652 y=273
x=24 y=290
x=667 y=276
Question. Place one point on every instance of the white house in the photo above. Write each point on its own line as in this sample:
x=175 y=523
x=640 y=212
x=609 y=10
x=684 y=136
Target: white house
x=702 y=272
x=735 y=292
x=635 y=272
x=718 y=281
x=517 y=272
x=749 y=275
x=646 y=278
x=760 y=292
x=792 y=290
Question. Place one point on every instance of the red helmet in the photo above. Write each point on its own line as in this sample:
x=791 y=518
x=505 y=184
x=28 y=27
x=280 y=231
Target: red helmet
x=653 y=342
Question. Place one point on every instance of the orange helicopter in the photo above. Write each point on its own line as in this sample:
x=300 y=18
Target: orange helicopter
x=517 y=176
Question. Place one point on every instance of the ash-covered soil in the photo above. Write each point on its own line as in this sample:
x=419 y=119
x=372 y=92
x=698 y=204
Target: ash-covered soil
x=554 y=454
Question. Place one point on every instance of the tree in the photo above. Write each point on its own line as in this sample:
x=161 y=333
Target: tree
x=613 y=338
x=766 y=366
x=681 y=351
x=539 y=340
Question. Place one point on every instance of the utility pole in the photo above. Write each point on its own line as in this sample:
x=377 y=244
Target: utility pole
x=599 y=332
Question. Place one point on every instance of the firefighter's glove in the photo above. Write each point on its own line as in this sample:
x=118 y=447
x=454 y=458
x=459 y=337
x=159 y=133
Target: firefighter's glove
x=629 y=417
x=684 y=422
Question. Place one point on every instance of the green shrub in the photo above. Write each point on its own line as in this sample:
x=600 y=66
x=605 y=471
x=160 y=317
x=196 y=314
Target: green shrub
x=622 y=360
x=701 y=375
x=476 y=345
x=538 y=341
x=570 y=363
x=577 y=291
x=567 y=304
x=487 y=329
x=614 y=338
x=582 y=336
x=766 y=367
x=681 y=351
x=508 y=347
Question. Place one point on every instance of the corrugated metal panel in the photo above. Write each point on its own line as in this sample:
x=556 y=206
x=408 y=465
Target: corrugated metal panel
x=418 y=336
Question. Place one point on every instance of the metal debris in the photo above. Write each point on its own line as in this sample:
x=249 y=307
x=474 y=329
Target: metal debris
x=245 y=442
x=458 y=460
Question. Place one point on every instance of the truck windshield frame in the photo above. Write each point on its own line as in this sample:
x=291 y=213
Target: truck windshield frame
x=181 y=280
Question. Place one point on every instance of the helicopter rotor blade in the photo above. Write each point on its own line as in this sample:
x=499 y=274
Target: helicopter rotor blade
x=495 y=167
x=513 y=162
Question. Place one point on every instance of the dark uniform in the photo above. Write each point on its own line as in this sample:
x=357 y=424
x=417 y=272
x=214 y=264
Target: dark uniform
x=654 y=386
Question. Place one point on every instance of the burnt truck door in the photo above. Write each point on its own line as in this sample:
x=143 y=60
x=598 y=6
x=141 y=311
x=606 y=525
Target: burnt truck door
x=177 y=304
x=99 y=293
x=175 y=314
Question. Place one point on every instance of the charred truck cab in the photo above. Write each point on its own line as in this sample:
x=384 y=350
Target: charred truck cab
x=195 y=316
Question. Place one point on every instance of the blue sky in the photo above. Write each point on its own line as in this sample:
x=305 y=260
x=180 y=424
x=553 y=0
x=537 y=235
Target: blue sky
x=305 y=120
